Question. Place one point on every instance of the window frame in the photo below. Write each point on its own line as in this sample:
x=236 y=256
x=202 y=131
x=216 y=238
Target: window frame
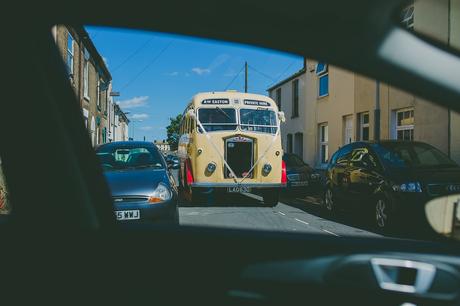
x=86 y=80
x=363 y=125
x=408 y=16
x=322 y=74
x=323 y=141
x=406 y=127
x=70 y=53
x=295 y=98
x=98 y=92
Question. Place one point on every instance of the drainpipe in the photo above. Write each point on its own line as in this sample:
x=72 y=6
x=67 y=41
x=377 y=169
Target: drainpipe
x=377 y=111
x=449 y=123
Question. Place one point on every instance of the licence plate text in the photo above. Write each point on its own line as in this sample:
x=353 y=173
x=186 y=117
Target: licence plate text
x=239 y=189
x=128 y=214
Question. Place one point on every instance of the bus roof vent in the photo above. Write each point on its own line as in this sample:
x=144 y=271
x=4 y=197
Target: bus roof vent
x=231 y=90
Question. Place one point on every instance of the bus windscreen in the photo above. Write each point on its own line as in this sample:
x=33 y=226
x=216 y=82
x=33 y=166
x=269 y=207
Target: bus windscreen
x=258 y=120
x=217 y=119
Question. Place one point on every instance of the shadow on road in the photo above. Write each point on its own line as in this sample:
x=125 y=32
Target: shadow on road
x=358 y=220
x=225 y=200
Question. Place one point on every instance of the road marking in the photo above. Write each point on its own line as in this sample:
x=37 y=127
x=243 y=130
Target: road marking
x=309 y=201
x=251 y=195
x=330 y=232
x=301 y=221
x=282 y=213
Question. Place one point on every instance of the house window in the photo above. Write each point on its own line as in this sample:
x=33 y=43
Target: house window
x=98 y=93
x=86 y=75
x=347 y=129
x=298 y=144
x=407 y=16
x=295 y=98
x=364 y=126
x=70 y=51
x=278 y=98
x=85 y=115
x=322 y=71
x=323 y=143
x=85 y=80
x=405 y=124
x=289 y=143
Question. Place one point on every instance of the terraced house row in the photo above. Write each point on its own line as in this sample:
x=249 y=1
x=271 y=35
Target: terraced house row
x=327 y=107
x=92 y=84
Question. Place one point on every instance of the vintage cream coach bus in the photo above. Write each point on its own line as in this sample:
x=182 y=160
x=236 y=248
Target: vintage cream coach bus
x=230 y=142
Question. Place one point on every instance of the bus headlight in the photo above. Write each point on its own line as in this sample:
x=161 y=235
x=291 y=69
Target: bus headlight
x=211 y=167
x=266 y=169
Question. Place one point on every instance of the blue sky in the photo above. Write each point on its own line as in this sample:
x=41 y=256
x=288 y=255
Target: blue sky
x=157 y=74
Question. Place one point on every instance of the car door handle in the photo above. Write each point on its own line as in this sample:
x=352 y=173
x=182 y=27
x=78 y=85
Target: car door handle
x=388 y=271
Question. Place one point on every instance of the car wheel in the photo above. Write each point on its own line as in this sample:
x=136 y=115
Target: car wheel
x=329 y=201
x=271 y=197
x=382 y=214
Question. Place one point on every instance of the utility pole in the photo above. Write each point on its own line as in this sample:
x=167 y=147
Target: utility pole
x=377 y=111
x=245 y=76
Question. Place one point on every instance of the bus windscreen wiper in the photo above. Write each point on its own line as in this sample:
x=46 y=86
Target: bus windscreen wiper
x=222 y=111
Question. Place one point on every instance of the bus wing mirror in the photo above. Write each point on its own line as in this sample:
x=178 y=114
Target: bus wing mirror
x=281 y=116
x=191 y=113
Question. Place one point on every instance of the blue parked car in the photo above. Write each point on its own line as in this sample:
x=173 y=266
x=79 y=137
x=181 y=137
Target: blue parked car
x=142 y=187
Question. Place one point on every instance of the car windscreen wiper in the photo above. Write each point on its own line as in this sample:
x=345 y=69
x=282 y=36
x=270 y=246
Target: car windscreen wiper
x=147 y=166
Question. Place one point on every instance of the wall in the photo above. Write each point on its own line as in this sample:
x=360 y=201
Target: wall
x=332 y=108
x=292 y=125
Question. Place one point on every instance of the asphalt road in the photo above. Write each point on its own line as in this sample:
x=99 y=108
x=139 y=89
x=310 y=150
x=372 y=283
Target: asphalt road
x=247 y=211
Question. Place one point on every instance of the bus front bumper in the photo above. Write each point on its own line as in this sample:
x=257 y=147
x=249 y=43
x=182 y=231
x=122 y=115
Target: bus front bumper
x=249 y=185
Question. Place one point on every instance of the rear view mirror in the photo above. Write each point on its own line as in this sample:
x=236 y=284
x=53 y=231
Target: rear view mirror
x=443 y=215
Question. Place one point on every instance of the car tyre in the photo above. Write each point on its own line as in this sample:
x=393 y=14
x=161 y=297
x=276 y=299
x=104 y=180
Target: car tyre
x=329 y=202
x=271 y=197
x=383 y=220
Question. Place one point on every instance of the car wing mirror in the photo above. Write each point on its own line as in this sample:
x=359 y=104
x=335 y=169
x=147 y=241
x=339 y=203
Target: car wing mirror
x=443 y=215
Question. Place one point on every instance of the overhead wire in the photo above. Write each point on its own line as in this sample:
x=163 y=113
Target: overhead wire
x=129 y=57
x=147 y=66
x=233 y=80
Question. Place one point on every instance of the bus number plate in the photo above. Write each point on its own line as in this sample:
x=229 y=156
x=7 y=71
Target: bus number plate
x=239 y=189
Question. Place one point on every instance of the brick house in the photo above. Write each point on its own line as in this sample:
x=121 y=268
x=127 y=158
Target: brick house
x=89 y=77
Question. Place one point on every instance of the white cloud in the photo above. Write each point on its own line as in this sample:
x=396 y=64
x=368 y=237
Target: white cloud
x=146 y=128
x=216 y=63
x=139 y=116
x=201 y=71
x=174 y=73
x=134 y=102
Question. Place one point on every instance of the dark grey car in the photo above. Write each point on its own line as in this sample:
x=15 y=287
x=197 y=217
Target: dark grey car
x=141 y=185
